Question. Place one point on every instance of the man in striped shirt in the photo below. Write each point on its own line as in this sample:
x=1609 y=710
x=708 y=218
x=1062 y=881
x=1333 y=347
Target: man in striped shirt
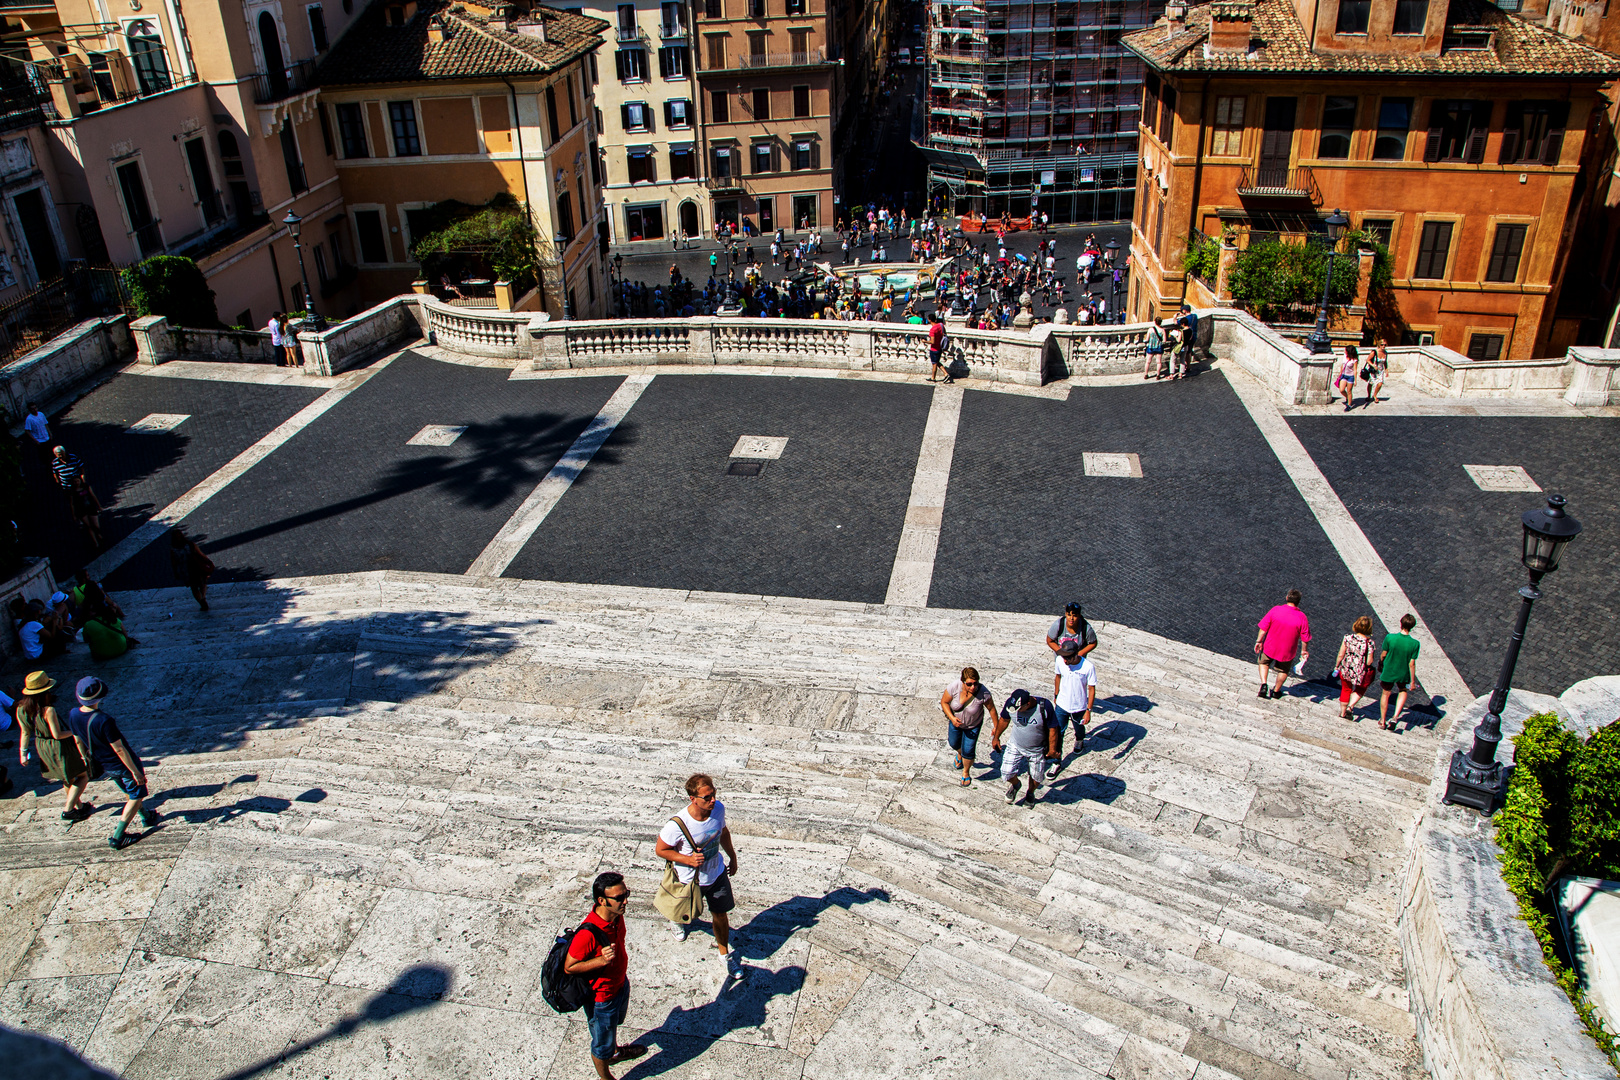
x=66 y=466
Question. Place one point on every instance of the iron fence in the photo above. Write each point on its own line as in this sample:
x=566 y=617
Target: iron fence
x=82 y=292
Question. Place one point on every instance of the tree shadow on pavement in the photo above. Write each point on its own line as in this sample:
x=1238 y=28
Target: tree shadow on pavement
x=28 y=1054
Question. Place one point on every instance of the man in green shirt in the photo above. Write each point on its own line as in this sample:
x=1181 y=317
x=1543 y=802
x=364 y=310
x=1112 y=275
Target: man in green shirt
x=1399 y=671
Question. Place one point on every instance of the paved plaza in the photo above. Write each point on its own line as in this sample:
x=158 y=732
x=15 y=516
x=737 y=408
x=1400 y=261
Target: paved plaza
x=472 y=627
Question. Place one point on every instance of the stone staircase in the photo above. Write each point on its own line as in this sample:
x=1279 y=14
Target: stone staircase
x=406 y=782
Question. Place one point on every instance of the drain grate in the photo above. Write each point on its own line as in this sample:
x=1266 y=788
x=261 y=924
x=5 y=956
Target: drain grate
x=744 y=468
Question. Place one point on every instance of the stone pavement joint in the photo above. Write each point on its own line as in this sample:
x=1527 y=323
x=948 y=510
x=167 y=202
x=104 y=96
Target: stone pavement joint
x=500 y=551
x=913 y=571
x=1439 y=677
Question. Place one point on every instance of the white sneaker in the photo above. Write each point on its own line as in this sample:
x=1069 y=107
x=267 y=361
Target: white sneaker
x=680 y=930
x=734 y=965
x=1012 y=793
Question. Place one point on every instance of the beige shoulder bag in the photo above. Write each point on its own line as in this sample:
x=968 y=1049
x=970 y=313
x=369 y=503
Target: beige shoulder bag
x=676 y=900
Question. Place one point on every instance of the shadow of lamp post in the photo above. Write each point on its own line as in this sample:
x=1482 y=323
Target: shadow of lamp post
x=1319 y=341
x=1476 y=779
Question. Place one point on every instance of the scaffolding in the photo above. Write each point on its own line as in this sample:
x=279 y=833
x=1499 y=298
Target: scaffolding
x=1034 y=104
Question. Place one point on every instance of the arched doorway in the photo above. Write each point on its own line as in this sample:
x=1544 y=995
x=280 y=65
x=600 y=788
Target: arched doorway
x=689 y=219
x=275 y=68
x=146 y=56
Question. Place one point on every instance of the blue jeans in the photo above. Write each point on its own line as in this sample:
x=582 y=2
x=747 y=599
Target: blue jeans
x=963 y=740
x=1065 y=719
x=605 y=1018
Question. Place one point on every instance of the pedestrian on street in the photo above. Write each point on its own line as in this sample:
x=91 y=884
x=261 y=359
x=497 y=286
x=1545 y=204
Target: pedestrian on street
x=936 y=349
x=1032 y=742
x=65 y=466
x=598 y=950
x=86 y=510
x=714 y=263
x=1284 y=633
x=1173 y=348
x=1354 y=666
x=190 y=565
x=39 y=433
x=1071 y=626
x=59 y=756
x=1074 y=692
x=1399 y=672
x=964 y=703
x=696 y=851
x=103 y=746
x=289 y=340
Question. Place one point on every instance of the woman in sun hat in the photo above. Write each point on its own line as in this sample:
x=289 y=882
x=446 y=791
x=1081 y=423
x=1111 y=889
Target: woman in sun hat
x=59 y=757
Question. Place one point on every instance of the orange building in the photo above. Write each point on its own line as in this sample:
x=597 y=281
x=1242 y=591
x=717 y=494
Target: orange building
x=1454 y=131
x=435 y=101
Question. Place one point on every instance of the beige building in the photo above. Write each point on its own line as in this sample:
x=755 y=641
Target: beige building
x=194 y=136
x=451 y=101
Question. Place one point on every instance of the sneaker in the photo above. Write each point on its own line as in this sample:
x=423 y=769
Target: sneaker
x=1012 y=793
x=680 y=930
x=1264 y=693
x=149 y=818
x=734 y=965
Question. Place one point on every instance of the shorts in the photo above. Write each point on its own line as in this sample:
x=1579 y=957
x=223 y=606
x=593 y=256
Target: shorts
x=717 y=897
x=1399 y=687
x=605 y=1018
x=1016 y=760
x=963 y=740
x=934 y=355
x=1272 y=662
x=126 y=783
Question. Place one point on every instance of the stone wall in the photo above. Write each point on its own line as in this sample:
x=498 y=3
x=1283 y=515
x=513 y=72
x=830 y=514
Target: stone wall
x=351 y=342
x=157 y=341
x=33 y=581
x=65 y=360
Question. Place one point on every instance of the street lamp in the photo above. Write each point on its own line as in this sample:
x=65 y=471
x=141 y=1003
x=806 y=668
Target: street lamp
x=1319 y=341
x=312 y=318
x=1476 y=779
x=561 y=243
x=1111 y=249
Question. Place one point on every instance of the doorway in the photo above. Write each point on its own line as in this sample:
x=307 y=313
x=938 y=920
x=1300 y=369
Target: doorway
x=202 y=178
x=804 y=212
x=30 y=207
x=726 y=210
x=689 y=219
x=644 y=222
x=275 y=68
x=767 y=216
x=1276 y=142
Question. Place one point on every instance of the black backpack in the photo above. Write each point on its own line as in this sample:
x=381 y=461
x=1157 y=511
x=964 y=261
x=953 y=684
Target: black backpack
x=564 y=992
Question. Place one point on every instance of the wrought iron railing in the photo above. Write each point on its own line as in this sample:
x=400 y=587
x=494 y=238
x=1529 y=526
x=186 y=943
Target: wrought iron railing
x=1279 y=181
x=284 y=83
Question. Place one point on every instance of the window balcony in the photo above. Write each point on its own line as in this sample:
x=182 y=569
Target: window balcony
x=803 y=58
x=629 y=33
x=672 y=31
x=1278 y=182
x=287 y=82
x=724 y=185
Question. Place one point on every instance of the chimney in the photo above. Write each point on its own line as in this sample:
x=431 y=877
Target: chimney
x=1175 y=17
x=534 y=26
x=436 y=30
x=1231 y=26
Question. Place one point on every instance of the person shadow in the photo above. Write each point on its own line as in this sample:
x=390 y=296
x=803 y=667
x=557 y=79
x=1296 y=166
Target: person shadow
x=743 y=1002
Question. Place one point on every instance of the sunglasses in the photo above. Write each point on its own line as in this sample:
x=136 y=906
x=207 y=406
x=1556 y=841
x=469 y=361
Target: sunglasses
x=710 y=797
x=621 y=898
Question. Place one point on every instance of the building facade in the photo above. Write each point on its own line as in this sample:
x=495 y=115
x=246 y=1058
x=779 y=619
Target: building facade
x=770 y=98
x=1453 y=133
x=436 y=101
x=1033 y=105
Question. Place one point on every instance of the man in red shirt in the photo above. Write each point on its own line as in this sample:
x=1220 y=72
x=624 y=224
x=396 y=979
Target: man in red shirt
x=936 y=350
x=598 y=951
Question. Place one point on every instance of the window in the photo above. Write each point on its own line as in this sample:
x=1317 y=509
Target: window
x=682 y=162
x=795 y=7
x=1167 y=115
x=1394 y=121
x=1457 y=131
x=722 y=107
x=1381 y=229
x=1338 y=121
x=673 y=62
x=1353 y=16
x=573 y=107
x=1505 y=251
x=635 y=116
x=678 y=113
x=631 y=65
x=551 y=113
x=352 y=130
x=801 y=101
x=202 y=181
x=756 y=47
x=565 y=216
x=317 y=27
x=368 y=227
x=147 y=57
x=1410 y=15
x=762 y=104
x=402 y=117
x=1228 y=135
x=290 y=156
x=326 y=129
x=756 y=9
x=670 y=22
x=762 y=157
x=640 y=162
x=722 y=161
x=627 y=23
x=717 y=51
x=321 y=272
x=803 y=155
x=1533 y=133
x=712 y=9
x=1433 y=249
x=1485 y=346
x=417 y=225
x=799 y=43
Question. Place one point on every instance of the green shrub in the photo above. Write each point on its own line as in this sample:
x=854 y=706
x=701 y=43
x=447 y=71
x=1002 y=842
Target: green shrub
x=1561 y=816
x=1202 y=259
x=497 y=238
x=173 y=287
x=1282 y=279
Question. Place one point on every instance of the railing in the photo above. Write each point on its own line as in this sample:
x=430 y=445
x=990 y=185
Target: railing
x=724 y=183
x=629 y=33
x=149 y=239
x=21 y=106
x=280 y=85
x=1278 y=181
x=487 y=333
x=671 y=31
x=40 y=314
x=802 y=58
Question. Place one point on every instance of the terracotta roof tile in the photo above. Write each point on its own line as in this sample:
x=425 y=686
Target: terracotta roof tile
x=1280 y=45
x=473 y=48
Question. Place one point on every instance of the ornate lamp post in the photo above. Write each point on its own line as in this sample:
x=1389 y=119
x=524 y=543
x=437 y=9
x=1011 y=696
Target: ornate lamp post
x=561 y=243
x=312 y=317
x=1112 y=250
x=1476 y=779
x=1319 y=341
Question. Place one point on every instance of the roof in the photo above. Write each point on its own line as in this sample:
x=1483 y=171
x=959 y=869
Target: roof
x=474 y=46
x=1281 y=46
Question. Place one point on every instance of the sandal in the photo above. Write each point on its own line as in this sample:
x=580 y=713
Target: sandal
x=967 y=781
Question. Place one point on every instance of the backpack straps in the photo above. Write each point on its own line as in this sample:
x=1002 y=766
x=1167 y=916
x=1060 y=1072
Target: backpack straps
x=682 y=826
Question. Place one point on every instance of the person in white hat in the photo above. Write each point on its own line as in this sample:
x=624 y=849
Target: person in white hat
x=103 y=745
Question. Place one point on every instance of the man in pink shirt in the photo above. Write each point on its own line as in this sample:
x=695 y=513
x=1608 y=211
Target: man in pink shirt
x=1283 y=634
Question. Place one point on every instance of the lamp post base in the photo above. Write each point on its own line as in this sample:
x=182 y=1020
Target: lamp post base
x=1471 y=784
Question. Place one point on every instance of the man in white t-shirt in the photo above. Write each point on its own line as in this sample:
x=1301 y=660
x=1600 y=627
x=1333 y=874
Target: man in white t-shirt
x=705 y=819
x=1074 y=690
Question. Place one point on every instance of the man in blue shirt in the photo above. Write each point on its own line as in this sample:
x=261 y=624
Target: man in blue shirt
x=1188 y=321
x=103 y=746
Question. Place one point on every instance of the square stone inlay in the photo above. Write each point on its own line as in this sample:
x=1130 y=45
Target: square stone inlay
x=436 y=435
x=762 y=447
x=1501 y=478
x=159 y=421
x=1111 y=464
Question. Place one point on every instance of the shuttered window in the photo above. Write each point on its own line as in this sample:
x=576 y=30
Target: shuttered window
x=1505 y=251
x=1227 y=139
x=1434 y=247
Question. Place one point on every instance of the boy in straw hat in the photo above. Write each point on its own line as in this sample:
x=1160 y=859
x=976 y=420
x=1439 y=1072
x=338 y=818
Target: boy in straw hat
x=103 y=745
